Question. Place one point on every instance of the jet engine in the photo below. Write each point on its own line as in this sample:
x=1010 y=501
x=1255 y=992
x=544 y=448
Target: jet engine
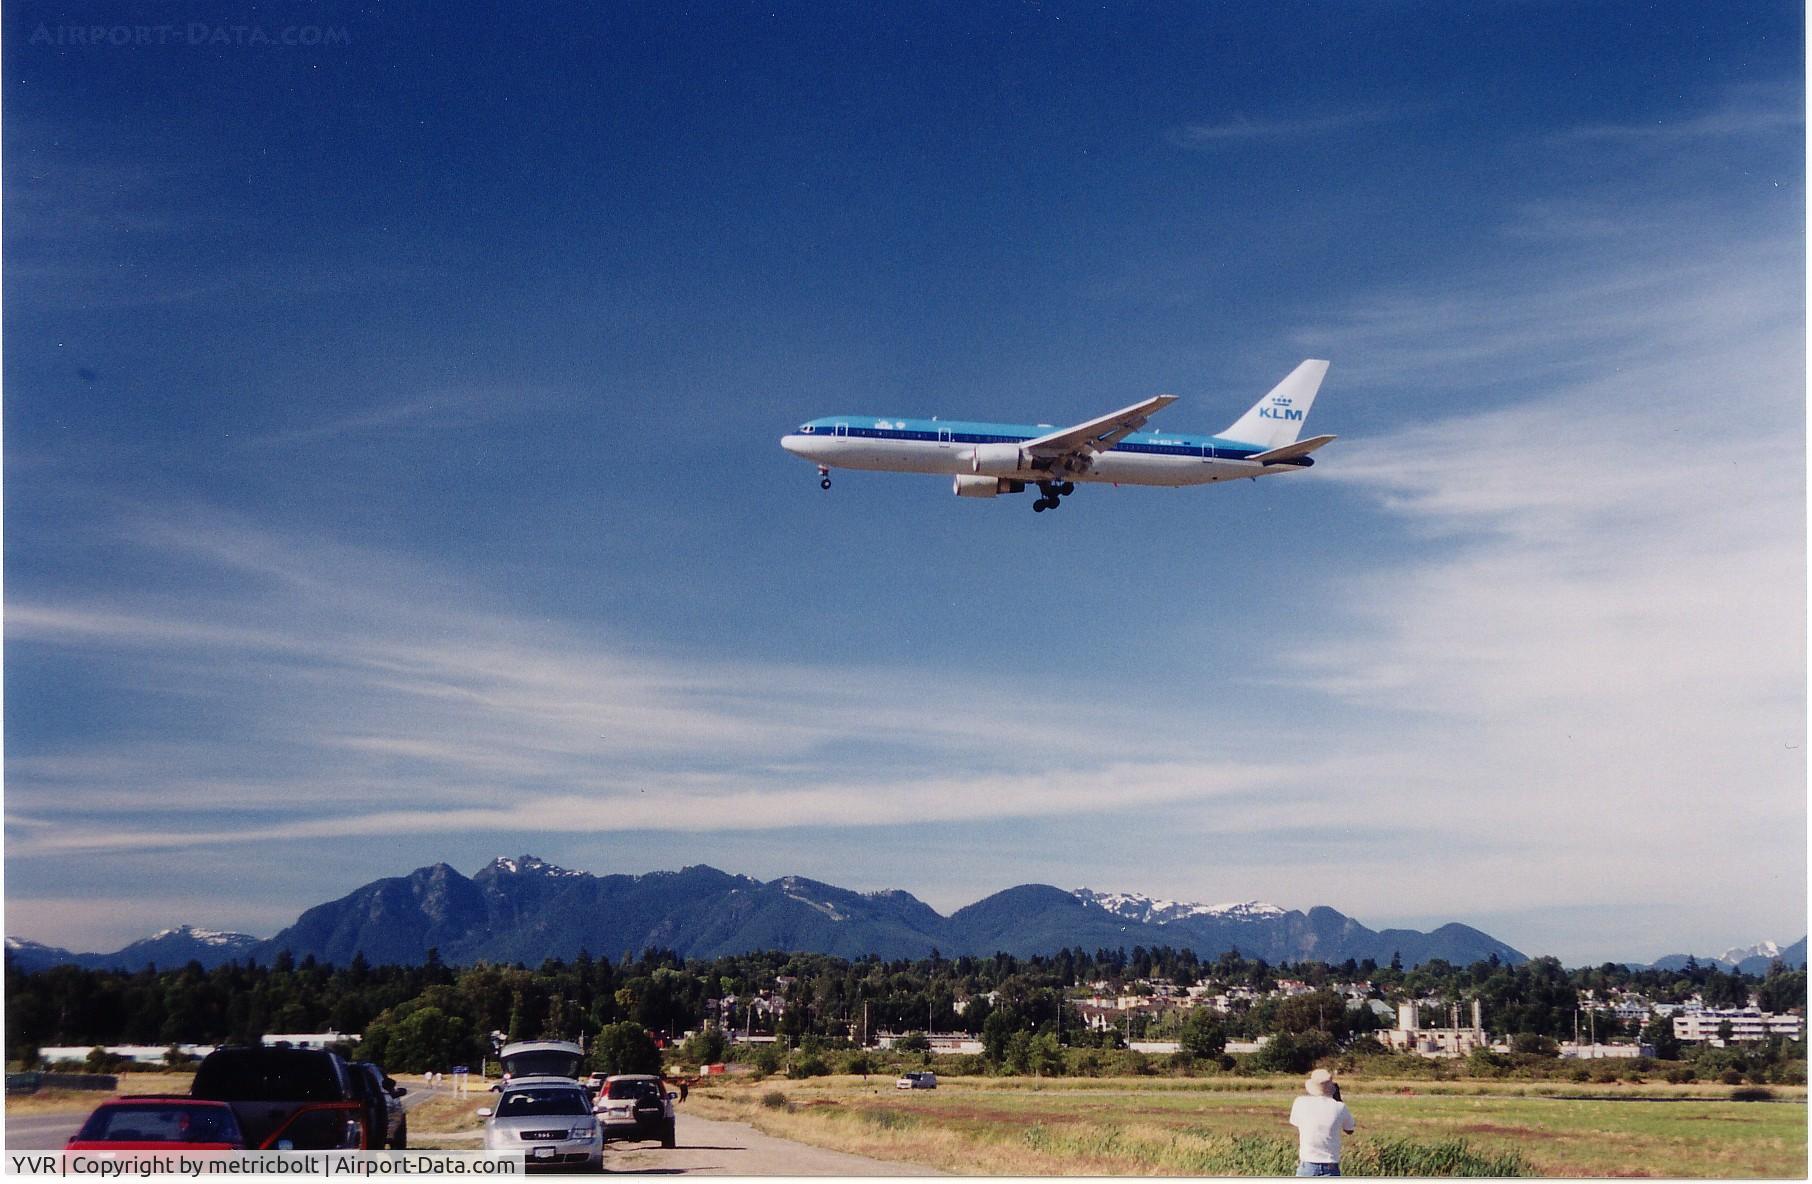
x=986 y=486
x=999 y=460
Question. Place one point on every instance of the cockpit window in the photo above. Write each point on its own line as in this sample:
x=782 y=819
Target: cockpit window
x=805 y=427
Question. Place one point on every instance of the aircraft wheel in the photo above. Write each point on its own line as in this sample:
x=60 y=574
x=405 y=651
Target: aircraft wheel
x=824 y=484
x=1067 y=488
x=1038 y=506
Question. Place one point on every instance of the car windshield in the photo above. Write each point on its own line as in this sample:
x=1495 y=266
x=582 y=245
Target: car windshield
x=517 y=1103
x=632 y=1089
x=160 y=1122
x=268 y=1074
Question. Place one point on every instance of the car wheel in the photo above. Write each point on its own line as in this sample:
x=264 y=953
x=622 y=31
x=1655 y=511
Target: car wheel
x=667 y=1135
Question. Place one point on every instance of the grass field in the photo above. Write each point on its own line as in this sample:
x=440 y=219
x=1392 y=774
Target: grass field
x=86 y=1099
x=1019 y=1126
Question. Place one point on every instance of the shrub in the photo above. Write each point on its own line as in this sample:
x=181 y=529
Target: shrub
x=775 y=1100
x=888 y=1120
x=808 y=1065
x=1445 y=1157
x=1731 y=1077
x=1752 y=1093
x=1680 y=1075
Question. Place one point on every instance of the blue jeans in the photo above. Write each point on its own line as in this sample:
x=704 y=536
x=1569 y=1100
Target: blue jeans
x=1306 y=1168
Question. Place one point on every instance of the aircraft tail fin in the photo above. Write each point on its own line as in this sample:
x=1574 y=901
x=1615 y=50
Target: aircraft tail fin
x=1277 y=419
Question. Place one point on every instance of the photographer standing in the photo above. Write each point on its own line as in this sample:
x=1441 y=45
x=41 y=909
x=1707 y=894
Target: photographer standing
x=1320 y=1118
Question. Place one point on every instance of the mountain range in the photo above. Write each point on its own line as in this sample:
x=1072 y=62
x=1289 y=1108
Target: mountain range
x=1755 y=959
x=526 y=910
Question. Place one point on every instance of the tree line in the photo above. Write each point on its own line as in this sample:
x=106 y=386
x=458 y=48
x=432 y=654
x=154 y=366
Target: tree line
x=434 y=1015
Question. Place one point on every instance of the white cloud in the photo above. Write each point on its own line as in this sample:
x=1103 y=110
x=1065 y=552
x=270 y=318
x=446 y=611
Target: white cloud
x=1597 y=653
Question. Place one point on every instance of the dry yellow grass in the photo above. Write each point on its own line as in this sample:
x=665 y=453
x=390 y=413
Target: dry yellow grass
x=48 y=1100
x=1016 y=1126
x=447 y=1120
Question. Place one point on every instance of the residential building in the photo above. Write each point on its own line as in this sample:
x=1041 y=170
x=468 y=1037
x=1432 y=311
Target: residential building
x=1746 y=1023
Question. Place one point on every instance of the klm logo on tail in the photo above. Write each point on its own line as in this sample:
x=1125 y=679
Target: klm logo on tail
x=1280 y=409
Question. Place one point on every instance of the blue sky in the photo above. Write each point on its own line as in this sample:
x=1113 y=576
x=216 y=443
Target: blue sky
x=391 y=420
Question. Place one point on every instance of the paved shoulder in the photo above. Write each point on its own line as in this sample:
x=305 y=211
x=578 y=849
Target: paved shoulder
x=708 y=1147
x=44 y=1130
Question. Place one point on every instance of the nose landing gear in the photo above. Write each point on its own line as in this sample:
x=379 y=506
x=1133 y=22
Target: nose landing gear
x=1054 y=493
x=823 y=477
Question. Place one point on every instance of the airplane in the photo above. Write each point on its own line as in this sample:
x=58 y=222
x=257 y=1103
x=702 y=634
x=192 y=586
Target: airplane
x=989 y=459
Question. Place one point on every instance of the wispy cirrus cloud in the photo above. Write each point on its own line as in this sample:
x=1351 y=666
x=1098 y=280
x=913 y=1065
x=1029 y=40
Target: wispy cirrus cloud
x=329 y=685
x=1243 y=129
x=1606 y=629
x=1743 y=112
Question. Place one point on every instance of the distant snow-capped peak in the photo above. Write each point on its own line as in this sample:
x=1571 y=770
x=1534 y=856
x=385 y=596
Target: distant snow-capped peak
x=529 y=864
x=207 y=937
x=1762 y=949
x=1136 y=906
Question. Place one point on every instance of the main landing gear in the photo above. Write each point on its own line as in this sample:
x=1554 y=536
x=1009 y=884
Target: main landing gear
x=823 y=477
x=1054 y=493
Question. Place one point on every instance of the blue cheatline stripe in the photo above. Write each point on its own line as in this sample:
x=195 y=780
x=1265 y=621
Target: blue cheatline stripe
x=1138 y=442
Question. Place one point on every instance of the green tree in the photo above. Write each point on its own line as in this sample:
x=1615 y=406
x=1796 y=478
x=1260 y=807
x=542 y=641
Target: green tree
x=703 y=1048
x=425 y=1039
x=1201 y=1035
x=1293 y=1052
x=1044 y=1056
x=625 y=1048
x=1659 y=1032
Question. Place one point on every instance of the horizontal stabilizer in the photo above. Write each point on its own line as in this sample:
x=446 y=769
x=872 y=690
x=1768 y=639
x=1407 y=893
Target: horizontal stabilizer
x=1292 y=451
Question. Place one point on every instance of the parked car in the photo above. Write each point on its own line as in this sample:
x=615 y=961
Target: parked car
x=549 y=1120
x=159 y=1124
x=637 y=1106
x=542 y=1058
x=286 y=1098
x=917 y=1079
x=386 y=1125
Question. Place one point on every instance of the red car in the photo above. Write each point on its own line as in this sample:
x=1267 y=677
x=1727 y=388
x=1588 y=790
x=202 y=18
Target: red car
x=159 y=1124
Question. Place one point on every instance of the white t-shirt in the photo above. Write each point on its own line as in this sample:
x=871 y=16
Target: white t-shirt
x=1318 y=1122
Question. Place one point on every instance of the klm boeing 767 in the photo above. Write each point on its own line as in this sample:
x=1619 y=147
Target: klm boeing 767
x=989 y=459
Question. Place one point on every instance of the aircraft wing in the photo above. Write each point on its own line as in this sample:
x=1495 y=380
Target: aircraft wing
x=1098 y=435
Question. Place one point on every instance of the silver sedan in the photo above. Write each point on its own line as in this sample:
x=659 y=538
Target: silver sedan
x=549 y=1120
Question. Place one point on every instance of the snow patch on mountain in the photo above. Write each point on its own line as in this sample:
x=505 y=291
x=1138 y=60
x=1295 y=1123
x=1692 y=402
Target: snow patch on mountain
x=1136 y=906
x=791 y=887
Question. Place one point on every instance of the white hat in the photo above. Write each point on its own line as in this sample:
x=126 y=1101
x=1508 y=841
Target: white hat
x=1320 y=1083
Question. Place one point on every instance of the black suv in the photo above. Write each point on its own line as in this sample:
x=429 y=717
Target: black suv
x=287 y=1098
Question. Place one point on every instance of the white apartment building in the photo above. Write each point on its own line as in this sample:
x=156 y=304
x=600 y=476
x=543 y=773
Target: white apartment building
x=1746 y=1023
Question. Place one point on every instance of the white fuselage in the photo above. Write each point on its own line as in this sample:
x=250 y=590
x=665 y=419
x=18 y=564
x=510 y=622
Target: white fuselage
x=962 y=449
